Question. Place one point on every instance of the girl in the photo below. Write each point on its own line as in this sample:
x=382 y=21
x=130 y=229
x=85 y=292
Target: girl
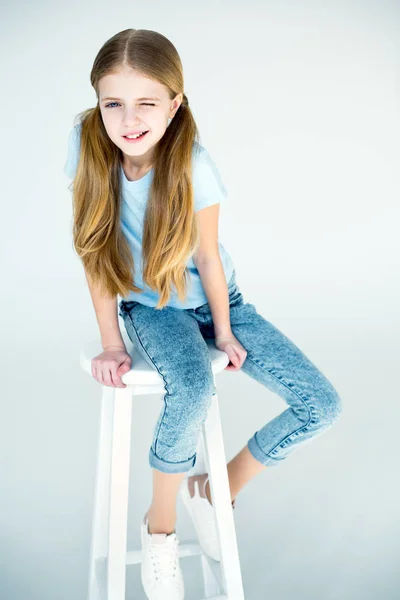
x=146 y=198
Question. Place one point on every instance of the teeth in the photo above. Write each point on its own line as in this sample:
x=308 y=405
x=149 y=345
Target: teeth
x=133 y=137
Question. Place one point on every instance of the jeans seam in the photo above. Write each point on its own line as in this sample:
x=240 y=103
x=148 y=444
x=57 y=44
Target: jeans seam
x=310 y=408
x=163 y=377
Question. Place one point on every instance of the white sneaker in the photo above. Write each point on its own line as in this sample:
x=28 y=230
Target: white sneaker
x=161 y=574
x=201 y=511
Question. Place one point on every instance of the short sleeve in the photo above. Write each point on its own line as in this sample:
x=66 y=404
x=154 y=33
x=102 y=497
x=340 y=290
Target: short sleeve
x=208 y=187
x=74 y=142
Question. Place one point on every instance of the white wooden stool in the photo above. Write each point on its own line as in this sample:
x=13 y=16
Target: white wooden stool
x=109 y=555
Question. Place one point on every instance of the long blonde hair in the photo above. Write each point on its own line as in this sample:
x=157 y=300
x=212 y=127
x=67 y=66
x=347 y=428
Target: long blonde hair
x=170 y=233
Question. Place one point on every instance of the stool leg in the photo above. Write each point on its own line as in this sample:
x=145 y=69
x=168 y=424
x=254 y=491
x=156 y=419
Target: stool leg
x=119 y=493
x=210 y=581
x=97 y=589
x=214 y=455
x=108 y=545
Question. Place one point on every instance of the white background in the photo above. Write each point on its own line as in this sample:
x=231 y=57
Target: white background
x=298 y=103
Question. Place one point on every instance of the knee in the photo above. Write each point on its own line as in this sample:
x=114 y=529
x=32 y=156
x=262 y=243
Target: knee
x=198 y=400
x=330 y=407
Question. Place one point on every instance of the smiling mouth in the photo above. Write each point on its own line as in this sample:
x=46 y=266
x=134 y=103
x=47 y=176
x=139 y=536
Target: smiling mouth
x=136 y=137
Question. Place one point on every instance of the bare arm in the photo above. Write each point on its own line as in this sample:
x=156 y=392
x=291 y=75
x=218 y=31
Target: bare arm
x=213 y=280
x=107 y=317
x=211 y=270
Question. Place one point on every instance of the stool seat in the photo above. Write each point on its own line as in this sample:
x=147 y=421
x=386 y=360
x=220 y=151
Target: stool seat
x=108 y=554
x=142 y=371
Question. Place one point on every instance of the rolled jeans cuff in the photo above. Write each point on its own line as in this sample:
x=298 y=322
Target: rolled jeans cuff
x=171 y=467
x=260 y=455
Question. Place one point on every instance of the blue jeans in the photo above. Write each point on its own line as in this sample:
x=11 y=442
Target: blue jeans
x=172 y=340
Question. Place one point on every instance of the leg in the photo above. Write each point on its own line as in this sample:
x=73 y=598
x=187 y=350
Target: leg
x=170 y=340
x=241 y=469
x=278 y=364
x=162 y=512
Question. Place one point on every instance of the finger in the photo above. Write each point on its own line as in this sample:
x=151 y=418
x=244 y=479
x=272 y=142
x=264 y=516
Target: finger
x=237 y=359
x=234 y=360
x=125 y=366
x=121 y=371
x=115 y=376
x=231 y=367
x=96 y=372
x=100 y=377
x=106 y=376
x=243 y=356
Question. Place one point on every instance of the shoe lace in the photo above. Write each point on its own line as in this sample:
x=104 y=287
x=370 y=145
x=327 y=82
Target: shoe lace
x=164 y=558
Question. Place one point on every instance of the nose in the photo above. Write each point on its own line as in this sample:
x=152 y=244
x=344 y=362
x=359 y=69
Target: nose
x=131 y=116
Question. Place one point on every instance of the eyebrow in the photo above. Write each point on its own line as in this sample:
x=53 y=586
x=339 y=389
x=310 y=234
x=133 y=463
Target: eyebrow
x=139 y=99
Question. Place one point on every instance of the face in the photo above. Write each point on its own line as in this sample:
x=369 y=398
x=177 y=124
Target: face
x=130 y=102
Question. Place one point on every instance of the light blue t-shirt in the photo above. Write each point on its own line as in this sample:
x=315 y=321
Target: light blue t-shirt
x=208 y=189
